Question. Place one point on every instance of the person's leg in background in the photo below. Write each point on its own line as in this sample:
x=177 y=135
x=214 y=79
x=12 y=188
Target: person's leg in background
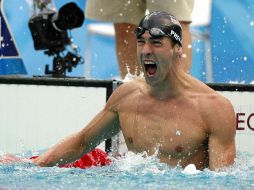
x=126 y=49
x=125 y=15
x=187 y=47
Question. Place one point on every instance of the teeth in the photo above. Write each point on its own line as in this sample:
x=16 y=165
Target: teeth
x=149 y=62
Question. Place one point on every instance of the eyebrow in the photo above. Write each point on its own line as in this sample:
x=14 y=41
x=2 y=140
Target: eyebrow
x=151 y=38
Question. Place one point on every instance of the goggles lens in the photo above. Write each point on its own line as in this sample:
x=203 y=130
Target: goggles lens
x=154 y=32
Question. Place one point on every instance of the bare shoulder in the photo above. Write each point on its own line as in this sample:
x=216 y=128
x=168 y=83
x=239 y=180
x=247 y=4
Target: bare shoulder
x=128 y=88
x=125 y=92
x=217 y=111
x=209 y=99
x=215 y=102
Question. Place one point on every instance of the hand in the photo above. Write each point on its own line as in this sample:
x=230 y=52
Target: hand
x=10 y=158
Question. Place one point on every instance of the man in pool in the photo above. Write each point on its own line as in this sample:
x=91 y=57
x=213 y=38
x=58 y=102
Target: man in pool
x=168 y=111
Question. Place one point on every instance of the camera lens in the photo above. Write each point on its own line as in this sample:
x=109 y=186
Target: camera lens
x=69 y=16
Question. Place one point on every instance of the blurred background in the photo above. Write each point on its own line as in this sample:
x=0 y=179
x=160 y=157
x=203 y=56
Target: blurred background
x=223 y=43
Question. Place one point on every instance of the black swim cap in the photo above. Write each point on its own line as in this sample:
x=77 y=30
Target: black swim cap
x=160 y=21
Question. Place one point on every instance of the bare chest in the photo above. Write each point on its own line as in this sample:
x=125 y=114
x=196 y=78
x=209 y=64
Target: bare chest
x=172 y=129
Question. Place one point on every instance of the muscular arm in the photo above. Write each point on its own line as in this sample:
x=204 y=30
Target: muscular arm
x=103 y=126
x=221 y=123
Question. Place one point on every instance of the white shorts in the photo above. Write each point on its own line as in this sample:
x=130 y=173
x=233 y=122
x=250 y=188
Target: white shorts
x=132 y=11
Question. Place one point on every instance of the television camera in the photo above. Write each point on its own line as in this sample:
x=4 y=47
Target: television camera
x=49 y=30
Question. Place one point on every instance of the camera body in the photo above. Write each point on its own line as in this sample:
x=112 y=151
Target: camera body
x=45 y=35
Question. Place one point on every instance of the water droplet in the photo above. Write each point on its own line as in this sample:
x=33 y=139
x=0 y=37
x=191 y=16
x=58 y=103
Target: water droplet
x=178 y=133
x=101 y=10
x=225 y=21
x=121 y=14
x=184 y=55
x=252 y=23
x=129 y=2
x=189 y=46
x=245 y=58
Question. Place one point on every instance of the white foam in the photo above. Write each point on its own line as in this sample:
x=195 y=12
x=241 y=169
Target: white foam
x=190 y=170
x=141 y=162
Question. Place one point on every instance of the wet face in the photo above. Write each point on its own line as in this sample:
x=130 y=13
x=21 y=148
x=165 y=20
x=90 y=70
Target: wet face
x=155 y=56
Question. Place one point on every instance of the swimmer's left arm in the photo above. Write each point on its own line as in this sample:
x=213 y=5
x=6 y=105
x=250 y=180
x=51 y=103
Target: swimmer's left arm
x=221 y=123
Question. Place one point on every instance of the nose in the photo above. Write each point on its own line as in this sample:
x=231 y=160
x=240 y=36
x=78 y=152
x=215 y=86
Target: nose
x=146 y=49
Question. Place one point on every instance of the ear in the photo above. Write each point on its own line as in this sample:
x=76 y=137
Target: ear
x=178 y=49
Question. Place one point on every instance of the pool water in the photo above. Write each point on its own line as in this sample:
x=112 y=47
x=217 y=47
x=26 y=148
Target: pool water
x=130 y=172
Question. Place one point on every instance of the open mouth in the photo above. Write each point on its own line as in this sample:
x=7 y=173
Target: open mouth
x=150 y=68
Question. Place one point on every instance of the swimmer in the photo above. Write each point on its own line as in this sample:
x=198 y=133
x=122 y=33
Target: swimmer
x=191 y=123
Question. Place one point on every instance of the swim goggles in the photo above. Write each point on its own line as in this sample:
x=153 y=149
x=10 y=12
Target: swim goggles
x=157 y=33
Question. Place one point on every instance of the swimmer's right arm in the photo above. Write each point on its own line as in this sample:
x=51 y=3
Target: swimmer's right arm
x=103 y=126
x=11 y=158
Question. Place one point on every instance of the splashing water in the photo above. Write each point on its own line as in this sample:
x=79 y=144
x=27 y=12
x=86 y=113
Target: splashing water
x=129 y=77
x=132 y=171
